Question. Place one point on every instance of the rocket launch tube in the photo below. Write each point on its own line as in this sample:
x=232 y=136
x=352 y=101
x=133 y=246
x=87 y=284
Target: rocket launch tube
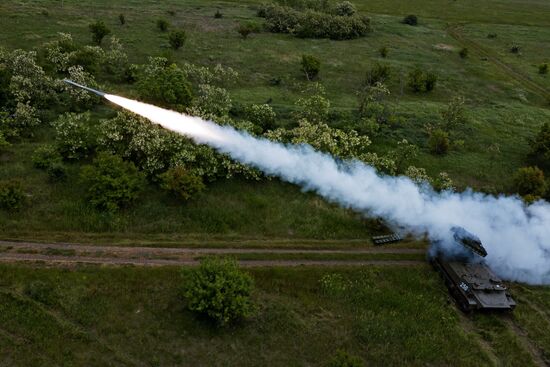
x=99 y=93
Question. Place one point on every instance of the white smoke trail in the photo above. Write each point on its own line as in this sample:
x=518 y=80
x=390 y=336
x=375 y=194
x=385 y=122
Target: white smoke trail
x=516 y=236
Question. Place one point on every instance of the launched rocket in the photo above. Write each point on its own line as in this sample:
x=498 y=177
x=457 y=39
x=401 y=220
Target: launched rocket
x=99 y=93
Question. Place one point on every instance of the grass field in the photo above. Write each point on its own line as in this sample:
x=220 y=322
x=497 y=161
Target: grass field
x=130 y=316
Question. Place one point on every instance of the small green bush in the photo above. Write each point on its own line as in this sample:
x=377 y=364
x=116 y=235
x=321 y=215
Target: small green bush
x=515 y=49
x=162 y=25
x=540 y=147
x=181 y=182
x=57 y=172
x=261 y=115
x=410 y=20
x=218 y=14
x=177 y=39
x=379 y=73
x=244 y=30
x=111 y=182
x=543 y=69
x=219 y=290
x=345 y=9
x=492 y=35
x=45 y=156
x=420 y=81
x=310 y=66
x=439 y=142
x=99 y=31
x=121 y=19
x=12 y=196
x=383 y=51
x=463 y=53
x=530 y=181
x=343 y=359
x=40 y=291
x=430 y=81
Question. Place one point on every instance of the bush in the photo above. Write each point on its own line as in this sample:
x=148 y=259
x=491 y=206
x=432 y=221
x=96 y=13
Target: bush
x=430 y=81
x=543 y=69
x=213 y=100
x=162 y=25
x=463 y=53
x=74 y=139
x=492 y=35
x=540 y=147
x=343 y=359
x=99 y=31
x=181 y=182
x=40 y=291
x=530 y=181
x=383 y=51
x=420 y=81
x=310 y=66
x=345 y=8
x=121 y=19
x=219 y=290
x=12 y=196
x=515 y=49
x=45 y=156
x=379 y=73
x=261 y=115
x=218 y=14
x=111 y=182
x=244 y=30
x=453 y=116
x=177 y=39
x=57 y=172
x=410 y=20
x=439 y=142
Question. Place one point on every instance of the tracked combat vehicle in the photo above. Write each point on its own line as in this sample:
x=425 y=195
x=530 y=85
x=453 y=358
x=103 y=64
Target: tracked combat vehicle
x=470 y=281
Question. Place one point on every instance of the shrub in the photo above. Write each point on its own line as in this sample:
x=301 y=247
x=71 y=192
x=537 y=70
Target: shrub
x=57 y=172
x=219 y=290
x=492 y=35
x=343 y=359
x=463 y=53
x=81 y=98
x=310 y=66
x=181 y=182
x=543 y=69
x=213 y=100
x=540 y=147
x=261 y=115
x=515 y=49
x=177 y=39
x=439 y=142
x=244 y=30
x=383 y=51
x=99 y=31
x=420 y=81
x=45 y=156
x=530 y=181
x=162 y=25
x=165 y=84
x=345 y=8
x=41 y=292
x=12 y=196
x=121 y=19
x=218 y=14
x=453 y=116
x=116 y=60
x=21 y=123
x=73 y=137
x=111 y=182
x=429 y=82
x=88 y=58
x=410 y=20
x=379 y=73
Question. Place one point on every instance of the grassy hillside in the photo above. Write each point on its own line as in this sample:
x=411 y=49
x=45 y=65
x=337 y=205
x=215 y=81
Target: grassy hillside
x=127 y=316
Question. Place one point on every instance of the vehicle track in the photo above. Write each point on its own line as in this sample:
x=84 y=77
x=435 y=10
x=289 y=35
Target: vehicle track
x=67 y=254
x=455 y=32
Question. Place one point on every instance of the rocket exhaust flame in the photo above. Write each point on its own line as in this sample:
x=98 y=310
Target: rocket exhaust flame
x=516 y=236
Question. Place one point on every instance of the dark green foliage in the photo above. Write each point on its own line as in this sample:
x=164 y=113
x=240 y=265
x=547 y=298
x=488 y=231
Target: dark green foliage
x=310 y=66
x=383 y=51
x=410 y=20
x=57 y=172
x=314 y=24
x=87 y=58
x=543 y=68
x=218 y=14
x=540 y=147
x=111 y=182
x=492 y=35
x=530 y=181
x=244 y=29
x=5 y=79
x=162 y=25
x=343 y=359
x=181 y=182
x=99 y=31
x=121 y=19
x=379 y=73
x=420 y=81
x=166 y=86
x=45 y=156
x=40 y=292
x=463 y=53
x=439 y=142
x=12 y=196
x=219 y=290
x=515 y=49
x=177 y=39
x=345 y=8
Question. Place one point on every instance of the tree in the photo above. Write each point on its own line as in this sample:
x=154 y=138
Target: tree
x=73 y=136
x=244 y=30
x=379 y=73
x=111 y=182
x=540 y=147
x=219 y=290
x=99 y=31
x=162 y=25
x=453 y=116
x=439 y=142
x=261 y=115
x=177 y=39
x=310 y=66
x=12 y=196
x=530 y=181
x=181 y=182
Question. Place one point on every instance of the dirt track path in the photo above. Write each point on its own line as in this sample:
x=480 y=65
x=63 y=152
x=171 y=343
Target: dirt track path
x=66 y=254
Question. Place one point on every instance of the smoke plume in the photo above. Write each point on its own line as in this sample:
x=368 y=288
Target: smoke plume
x=516 y=236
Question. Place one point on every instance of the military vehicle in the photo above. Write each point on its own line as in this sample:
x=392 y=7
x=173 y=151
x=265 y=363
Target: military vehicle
x=470 y=281
x=387 y=238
